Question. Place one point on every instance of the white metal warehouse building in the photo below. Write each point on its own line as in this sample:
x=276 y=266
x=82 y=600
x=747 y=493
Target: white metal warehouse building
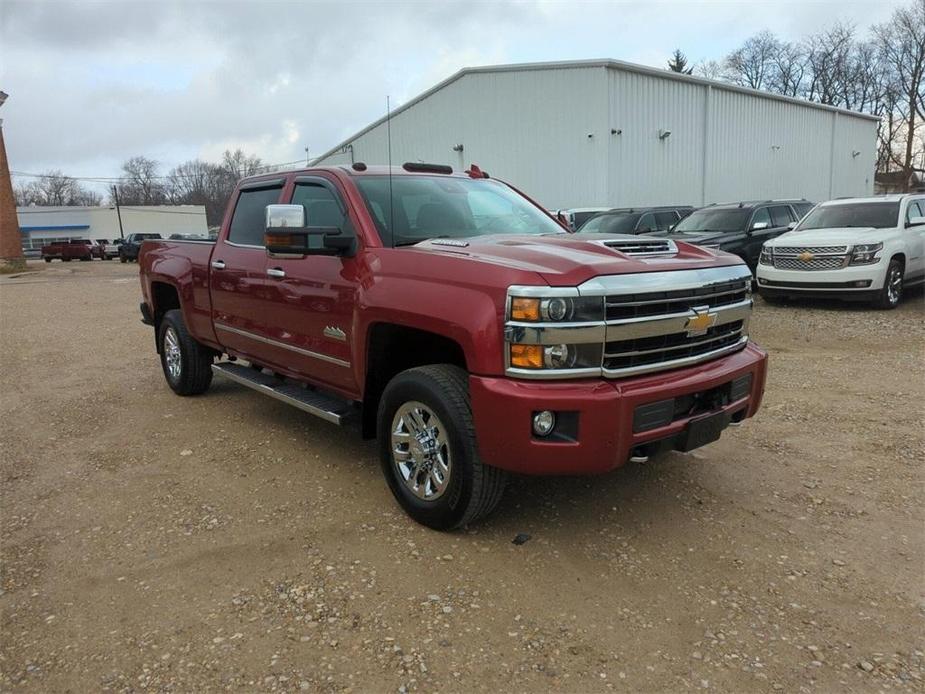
x=596 y=133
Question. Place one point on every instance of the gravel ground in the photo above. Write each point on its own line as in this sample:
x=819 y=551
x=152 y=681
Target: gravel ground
x=151 y=542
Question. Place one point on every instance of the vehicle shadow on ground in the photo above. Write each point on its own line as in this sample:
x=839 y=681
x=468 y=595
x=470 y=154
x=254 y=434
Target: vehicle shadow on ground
x=912 y=300
x=648 y=494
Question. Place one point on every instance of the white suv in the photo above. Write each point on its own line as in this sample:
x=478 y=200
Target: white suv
x=853 y=249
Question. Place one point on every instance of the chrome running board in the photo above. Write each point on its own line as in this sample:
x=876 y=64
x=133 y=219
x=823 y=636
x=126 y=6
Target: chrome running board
x=330 y=408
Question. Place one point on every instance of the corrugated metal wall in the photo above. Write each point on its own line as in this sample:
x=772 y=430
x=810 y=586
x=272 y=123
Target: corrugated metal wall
x=532 y=127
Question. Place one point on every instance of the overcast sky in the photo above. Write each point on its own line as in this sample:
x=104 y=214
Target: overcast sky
x=92 y=84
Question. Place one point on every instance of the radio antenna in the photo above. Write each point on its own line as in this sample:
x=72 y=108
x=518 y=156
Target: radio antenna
x=388 y=127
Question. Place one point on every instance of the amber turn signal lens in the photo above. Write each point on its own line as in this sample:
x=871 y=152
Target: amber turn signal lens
x=525 y=309
x=527 y=356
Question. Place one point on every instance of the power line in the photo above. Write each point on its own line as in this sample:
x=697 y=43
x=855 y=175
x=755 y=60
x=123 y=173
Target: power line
x=110 y=179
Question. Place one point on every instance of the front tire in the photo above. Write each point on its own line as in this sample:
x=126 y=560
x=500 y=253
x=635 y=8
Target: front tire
x=122 y=259
x=187 y=364
x=428 y=449
x=892 y=292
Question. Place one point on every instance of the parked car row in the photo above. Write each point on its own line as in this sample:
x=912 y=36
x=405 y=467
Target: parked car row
x=866 y=249
x=124 y=249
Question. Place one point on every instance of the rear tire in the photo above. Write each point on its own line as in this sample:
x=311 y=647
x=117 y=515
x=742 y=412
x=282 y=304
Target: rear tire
x=428 y=450
x=187 y=364
x=892 y=292
x=47 y=260
x=122 y=258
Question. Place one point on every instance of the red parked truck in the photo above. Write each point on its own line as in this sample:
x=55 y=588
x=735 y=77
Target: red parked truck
x=75 y=249
x=460 y=324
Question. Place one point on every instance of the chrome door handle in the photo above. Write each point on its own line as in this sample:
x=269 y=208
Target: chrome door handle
x=275 y=272
x=218 y=264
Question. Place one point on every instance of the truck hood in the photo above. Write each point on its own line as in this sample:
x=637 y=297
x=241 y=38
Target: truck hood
x=570 y=259
x=842 y=236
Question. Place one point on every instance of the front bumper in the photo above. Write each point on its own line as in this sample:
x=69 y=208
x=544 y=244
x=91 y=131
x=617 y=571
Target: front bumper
x=854 y=279
x=503 y=410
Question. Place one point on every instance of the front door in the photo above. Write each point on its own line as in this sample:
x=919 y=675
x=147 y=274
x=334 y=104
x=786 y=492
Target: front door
x=237 y=279
x=915 y=235
x=764 y=226
x=310 y=299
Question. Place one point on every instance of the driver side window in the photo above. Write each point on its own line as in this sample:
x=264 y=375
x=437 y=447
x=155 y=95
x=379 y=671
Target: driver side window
x=916 y=209
x=322 y=209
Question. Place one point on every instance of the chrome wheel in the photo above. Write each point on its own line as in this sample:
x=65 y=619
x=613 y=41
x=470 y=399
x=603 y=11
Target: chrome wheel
x=894 y=284
x=172 y=355
x=421 y=450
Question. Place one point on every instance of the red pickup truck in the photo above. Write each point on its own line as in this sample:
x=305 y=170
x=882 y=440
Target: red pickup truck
x=75 y=249
x=460 y=324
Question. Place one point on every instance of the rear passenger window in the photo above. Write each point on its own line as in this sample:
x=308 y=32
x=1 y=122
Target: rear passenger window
x=762 y=218
x=249 y=220
x=664 y=220
x=780 y=216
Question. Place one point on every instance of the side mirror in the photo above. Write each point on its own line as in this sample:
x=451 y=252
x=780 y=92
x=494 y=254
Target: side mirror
x=287 y=234
x=759 y=225
x=792 y=225
x=916 y=222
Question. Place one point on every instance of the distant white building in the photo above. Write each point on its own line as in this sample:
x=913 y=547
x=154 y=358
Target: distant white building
x=41 y=225
x=607 y=133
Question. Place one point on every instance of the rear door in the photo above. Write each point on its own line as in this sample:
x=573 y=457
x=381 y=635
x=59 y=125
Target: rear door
x=237 y=277
x=308 y=303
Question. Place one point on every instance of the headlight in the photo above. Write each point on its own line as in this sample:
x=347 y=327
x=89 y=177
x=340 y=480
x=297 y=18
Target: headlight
x=556 y=309
x=562 y=356
x=767 y=256
x=865 y=253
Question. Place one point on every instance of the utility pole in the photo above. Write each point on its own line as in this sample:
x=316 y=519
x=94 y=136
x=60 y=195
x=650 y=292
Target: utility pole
x=306 y=157
x=115 y=197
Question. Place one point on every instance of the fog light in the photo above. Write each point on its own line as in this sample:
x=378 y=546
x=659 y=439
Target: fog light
x=543 y=423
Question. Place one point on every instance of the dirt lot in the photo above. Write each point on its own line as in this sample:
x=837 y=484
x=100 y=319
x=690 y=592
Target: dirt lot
x=229 y=541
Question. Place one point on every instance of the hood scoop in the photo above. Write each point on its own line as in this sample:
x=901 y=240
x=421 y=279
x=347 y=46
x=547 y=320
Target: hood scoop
x=643 y=246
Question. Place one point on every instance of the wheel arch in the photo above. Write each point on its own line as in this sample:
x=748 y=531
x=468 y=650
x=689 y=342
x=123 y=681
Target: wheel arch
x=392 y=348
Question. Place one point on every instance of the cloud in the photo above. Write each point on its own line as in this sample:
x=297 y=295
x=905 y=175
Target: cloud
x=92 y=84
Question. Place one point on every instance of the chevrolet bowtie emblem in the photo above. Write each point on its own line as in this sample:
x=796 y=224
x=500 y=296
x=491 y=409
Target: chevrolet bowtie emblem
x=806 y=256
x=700 y=322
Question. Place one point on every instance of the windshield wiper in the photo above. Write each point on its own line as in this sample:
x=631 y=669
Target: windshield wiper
x=413 y=242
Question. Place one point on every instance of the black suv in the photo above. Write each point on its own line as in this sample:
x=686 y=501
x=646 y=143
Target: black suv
x=636 y=220
x=740 y=228
x=129 y=248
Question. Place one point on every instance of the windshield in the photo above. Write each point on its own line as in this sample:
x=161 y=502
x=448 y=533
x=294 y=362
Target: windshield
x=879 y=215
x=611 y=224
x=713 y=220
x=429 y=207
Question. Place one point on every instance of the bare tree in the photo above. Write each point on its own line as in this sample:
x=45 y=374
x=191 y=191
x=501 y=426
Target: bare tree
x=141 y=184
x=710 y=69
x=788 y=69
x=902 y=47
x=752 y=64
x=238 y=164
x=54 y=189
x=197 y=182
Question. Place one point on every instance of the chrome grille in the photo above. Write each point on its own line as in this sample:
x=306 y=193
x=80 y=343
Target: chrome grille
x=647 y=322
x=796 y=250
x=657 y=303
x=657 y=349
x=826 y=262
x=643 y=246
